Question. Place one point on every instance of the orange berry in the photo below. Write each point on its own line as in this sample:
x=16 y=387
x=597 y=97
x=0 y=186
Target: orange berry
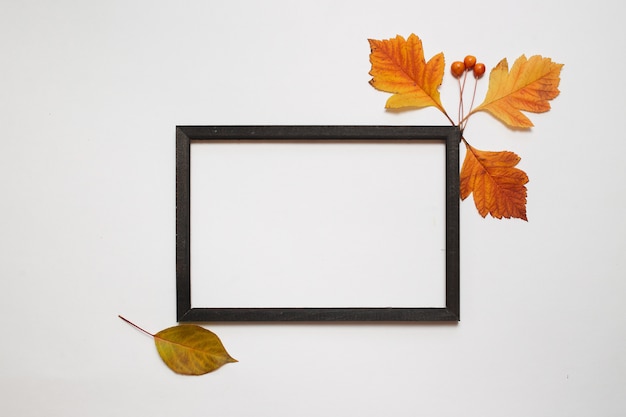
x=457 y=68
x=469 y=61
x=479 y=70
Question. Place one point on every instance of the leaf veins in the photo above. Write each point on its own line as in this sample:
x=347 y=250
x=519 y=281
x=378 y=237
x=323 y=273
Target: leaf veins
x=399 y=67
x=527 y=87
x=498 y=187
x=189 y=349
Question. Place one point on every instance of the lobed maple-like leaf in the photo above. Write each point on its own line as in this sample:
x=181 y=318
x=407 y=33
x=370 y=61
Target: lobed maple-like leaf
x=498 y=187
x=527 y=87
x=189 y=349
x=399 y=67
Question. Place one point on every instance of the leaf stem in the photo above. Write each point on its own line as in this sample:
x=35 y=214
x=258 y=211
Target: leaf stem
x=472 y=103
x=460 y=109
x=447 y=116
x=135 y=326
x=462 y=94
x=464 y=120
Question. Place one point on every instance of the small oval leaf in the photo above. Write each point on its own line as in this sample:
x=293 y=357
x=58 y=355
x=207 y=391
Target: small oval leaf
x=191 y=350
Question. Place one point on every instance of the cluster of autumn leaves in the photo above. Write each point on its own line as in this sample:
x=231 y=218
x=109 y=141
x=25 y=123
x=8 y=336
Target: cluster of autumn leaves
x=498 y=187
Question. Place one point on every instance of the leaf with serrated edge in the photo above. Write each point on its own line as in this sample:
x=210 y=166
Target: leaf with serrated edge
x=399 y=67
x=528 y=87
x=191 y=350
x=498 y=187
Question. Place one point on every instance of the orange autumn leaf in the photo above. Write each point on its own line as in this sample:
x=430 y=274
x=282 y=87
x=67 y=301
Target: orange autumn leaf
x=399 y=67
x=527 y=87
x=498 y=186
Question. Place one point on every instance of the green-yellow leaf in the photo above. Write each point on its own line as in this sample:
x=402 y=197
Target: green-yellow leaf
x=191 y=350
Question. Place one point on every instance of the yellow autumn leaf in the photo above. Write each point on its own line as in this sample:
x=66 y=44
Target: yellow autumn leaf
x=189 y=349
x=527 y=87
x=399 y=67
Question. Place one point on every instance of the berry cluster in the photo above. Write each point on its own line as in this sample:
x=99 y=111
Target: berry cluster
x=469 y=63
x=462 y=68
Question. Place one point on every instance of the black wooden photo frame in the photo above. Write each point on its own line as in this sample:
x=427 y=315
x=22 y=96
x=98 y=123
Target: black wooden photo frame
x=449 y=136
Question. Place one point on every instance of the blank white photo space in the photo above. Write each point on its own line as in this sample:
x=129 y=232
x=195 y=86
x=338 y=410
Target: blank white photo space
x=317 y=224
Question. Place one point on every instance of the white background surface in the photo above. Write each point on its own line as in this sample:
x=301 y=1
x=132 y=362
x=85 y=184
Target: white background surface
x=90 y=93
x=318 y=224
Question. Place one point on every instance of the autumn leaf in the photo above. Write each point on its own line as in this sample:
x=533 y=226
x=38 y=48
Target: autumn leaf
x=189 y=349
x=399 y=67
x=498 y=186
x=527 y=87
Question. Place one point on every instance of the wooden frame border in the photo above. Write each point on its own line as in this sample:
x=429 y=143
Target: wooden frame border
x=449 y=135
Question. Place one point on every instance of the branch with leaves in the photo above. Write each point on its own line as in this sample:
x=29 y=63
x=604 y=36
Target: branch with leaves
x=498 y=187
